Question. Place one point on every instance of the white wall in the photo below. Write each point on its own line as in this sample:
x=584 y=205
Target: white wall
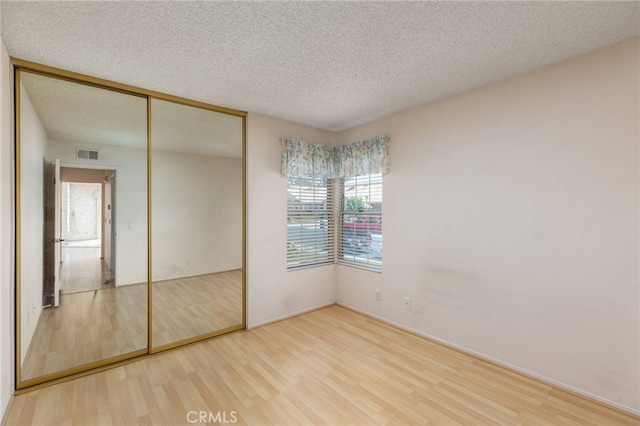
x=511 y=221
x=197 y=214
x=273 y=292
x=33 y=152
x=131 y=203
x=7 y=369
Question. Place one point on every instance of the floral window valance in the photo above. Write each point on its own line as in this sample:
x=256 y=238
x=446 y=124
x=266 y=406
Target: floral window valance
x=307 y=159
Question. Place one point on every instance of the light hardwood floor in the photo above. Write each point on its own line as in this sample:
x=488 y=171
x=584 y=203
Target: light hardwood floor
x=330 y=366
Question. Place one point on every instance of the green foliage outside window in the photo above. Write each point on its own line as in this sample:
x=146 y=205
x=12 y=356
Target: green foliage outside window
x=354 y=203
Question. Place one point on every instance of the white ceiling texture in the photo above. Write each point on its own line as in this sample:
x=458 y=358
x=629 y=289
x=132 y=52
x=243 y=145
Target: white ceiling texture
x=331 y=65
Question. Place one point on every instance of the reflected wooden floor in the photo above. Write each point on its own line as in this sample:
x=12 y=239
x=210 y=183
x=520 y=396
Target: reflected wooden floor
x=194 y=306
x=87 y=327
x=95 y=325
x=83 y=270
x=330 y=366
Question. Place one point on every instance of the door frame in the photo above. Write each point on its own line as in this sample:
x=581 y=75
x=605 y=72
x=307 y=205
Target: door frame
x=109 y=213
x=113 y=203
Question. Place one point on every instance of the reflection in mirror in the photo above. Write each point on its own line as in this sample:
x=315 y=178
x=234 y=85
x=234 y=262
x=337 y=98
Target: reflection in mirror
x=197 y=228
x=82 y=285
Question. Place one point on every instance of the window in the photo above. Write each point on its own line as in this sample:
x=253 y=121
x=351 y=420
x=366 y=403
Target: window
x=310 y=222
x=344 y=226
x=360 y=241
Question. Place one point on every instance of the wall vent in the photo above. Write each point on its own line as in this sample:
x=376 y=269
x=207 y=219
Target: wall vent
x=86 y=154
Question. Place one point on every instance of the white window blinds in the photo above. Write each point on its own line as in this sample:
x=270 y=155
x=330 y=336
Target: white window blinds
x=310 y=222
x=360 y=242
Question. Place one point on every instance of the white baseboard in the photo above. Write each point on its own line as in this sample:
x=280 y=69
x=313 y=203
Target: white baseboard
x=287 y=316
x=530 y=374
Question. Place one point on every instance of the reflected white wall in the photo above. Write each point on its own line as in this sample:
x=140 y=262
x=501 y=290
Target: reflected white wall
x=33 y=155
x=197 y=214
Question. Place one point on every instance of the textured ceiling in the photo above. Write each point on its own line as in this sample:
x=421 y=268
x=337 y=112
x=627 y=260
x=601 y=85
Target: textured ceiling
x=331 y=65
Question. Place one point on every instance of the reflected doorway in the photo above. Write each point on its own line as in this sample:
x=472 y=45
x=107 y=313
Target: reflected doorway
x=87 y=261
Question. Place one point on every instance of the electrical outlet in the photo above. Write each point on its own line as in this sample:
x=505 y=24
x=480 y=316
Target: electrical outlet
x=407 y=304
x=378 y=295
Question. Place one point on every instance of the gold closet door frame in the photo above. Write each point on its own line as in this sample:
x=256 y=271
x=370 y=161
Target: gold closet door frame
x=19 y=66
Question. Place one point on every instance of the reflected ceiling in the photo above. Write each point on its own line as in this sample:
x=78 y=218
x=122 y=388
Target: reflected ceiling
x=183 y=128
x=81 y=114
x=78 y=113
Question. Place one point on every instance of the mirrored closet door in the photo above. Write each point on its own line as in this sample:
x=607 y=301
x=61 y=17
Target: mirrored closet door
x=196 y=222
x=129 y=222
x=82 y=234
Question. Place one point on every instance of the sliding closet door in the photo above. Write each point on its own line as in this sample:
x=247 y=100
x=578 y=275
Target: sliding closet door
x=197 y=223
x=130 y=220
x=81 y=170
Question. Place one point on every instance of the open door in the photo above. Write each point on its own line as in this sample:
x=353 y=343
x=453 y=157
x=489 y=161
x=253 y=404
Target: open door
x=58 y=233
x=52 y=240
